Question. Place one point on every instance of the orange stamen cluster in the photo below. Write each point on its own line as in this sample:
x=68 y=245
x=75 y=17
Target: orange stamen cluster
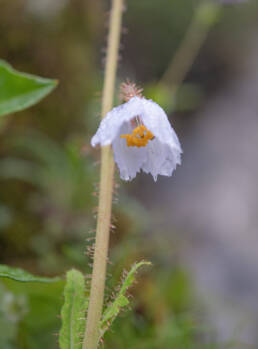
x=139 y=137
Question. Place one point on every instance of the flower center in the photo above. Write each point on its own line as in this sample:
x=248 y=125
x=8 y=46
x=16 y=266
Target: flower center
x=139 y=137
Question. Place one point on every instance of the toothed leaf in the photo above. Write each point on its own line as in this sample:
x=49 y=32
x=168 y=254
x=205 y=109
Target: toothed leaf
x=22 y=275
x=73 y=311
x=120 y=300
x=20 y=90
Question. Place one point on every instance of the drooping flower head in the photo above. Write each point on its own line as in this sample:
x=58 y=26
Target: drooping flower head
x=141 y=136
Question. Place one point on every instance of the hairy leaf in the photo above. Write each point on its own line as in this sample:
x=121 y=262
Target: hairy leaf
x=73 y=311
x=20 y=90
x=120 y=300
x=22 y=275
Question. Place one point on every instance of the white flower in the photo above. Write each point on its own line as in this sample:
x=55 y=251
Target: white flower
x=141 y=137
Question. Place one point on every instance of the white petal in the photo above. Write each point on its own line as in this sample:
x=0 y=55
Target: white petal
x=156 y=158
x=128 y=159
x=112 y=122
x=155 y=119
x=161 y=159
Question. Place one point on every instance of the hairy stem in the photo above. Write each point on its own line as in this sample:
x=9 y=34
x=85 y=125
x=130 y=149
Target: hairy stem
x=91 y=337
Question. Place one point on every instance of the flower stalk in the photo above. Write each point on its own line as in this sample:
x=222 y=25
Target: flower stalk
x=91 y=337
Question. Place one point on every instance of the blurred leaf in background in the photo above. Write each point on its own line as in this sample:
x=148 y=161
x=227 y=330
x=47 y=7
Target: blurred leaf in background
x=20 y=90
x=21 y=275
x=30 y=313
x=13 y=308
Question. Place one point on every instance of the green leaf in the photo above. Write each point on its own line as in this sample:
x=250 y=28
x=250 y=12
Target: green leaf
x=22 y=275
x=35 y=308
x=120 y=300
x=20 y=90
x=73 y=311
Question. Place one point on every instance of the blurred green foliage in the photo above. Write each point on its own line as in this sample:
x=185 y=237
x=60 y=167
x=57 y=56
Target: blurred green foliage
x=30 y=313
